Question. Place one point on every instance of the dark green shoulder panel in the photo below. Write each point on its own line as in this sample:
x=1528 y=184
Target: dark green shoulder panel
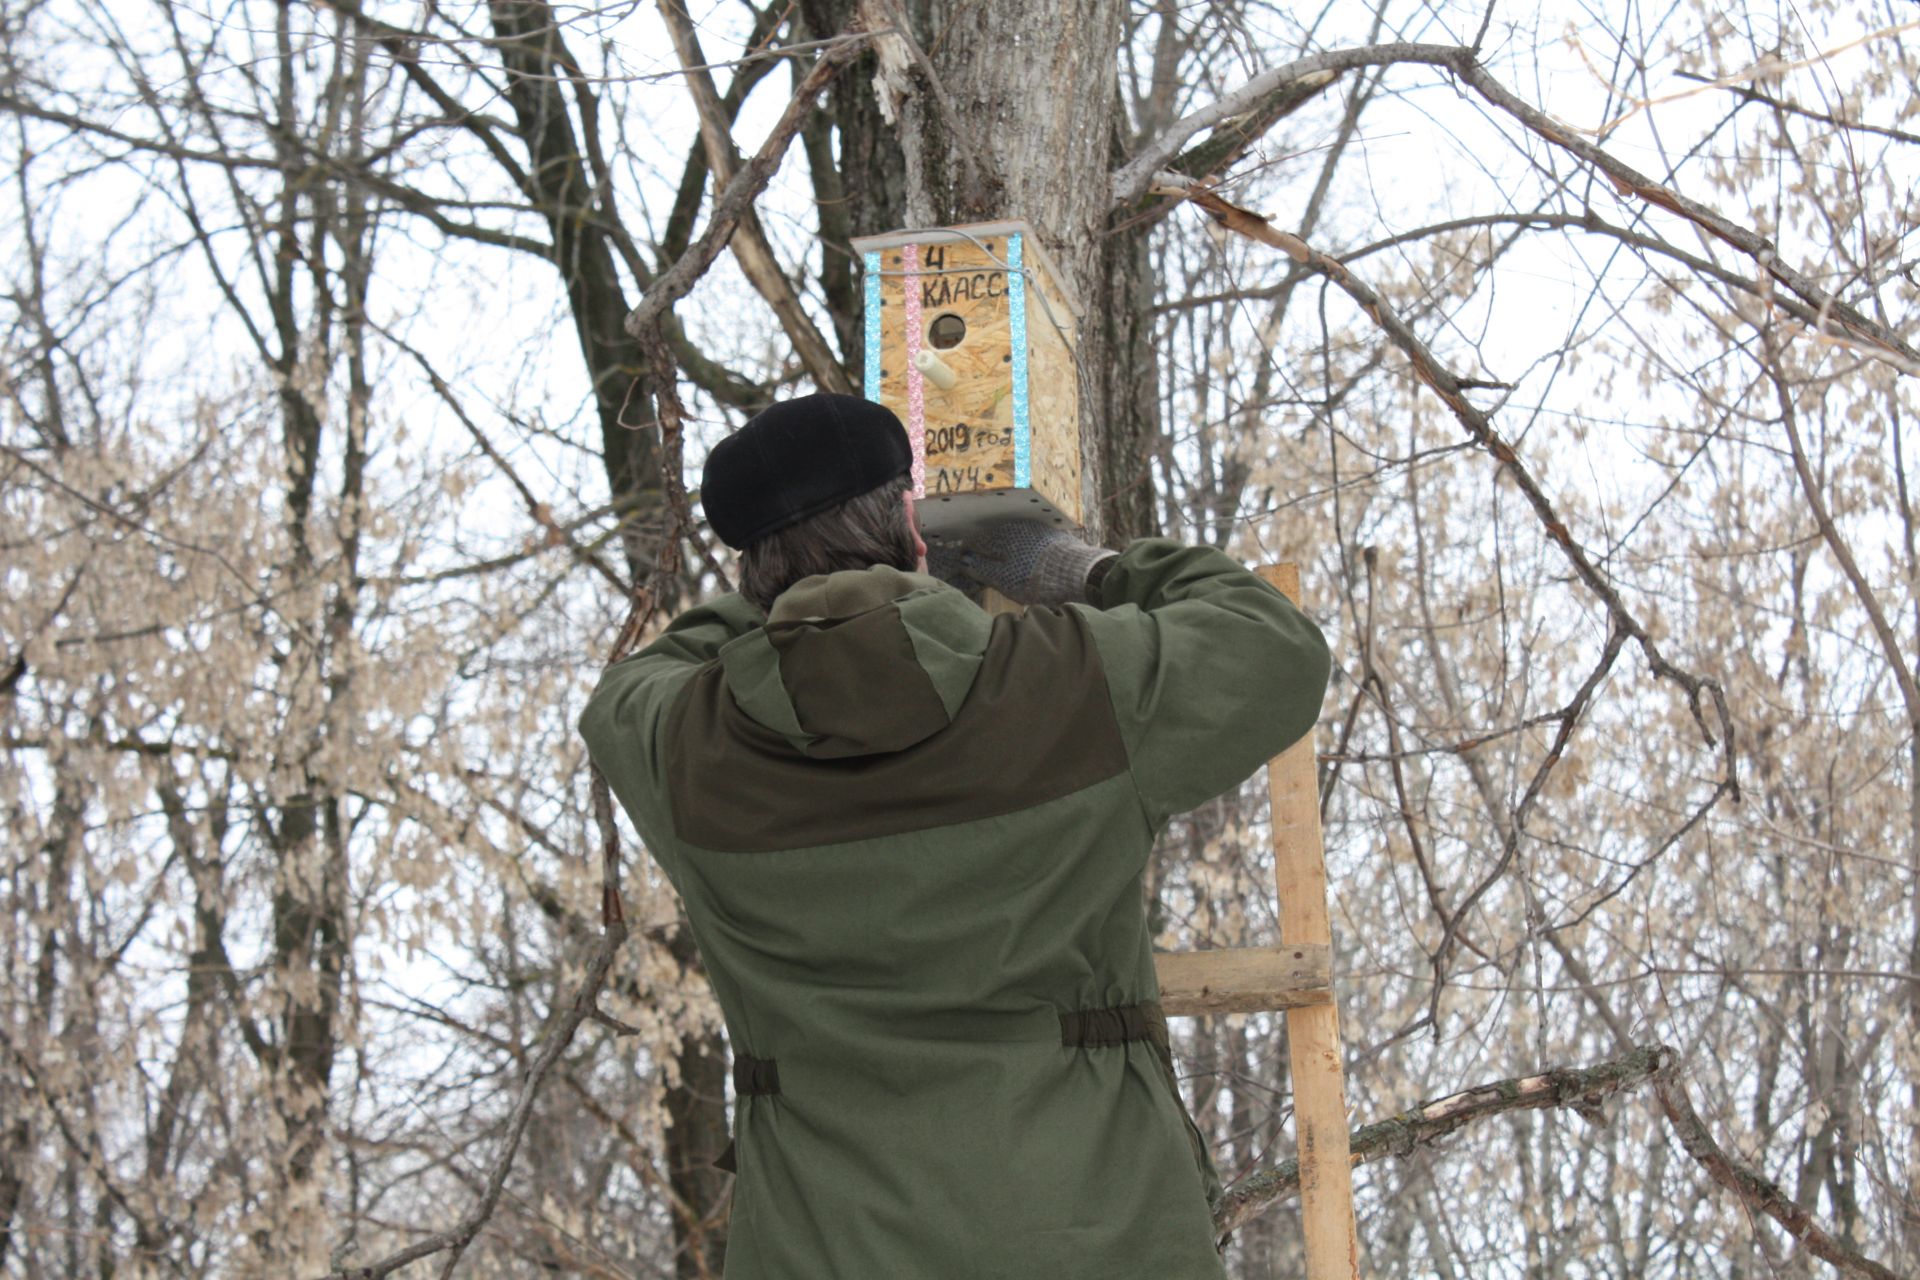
x=1036 y=725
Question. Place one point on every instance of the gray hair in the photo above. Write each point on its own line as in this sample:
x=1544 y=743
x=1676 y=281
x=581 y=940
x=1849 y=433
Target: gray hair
x=861 y=532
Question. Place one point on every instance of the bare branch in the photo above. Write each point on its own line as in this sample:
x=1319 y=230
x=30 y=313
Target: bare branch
x=1581 y=1090
x=1628 y=181
x=559 y=1035
x=1756 y=1191
x=1131 y=180
x=1838 y=319
x=1751 y=94
x=675 y=282
x=553 y=533
x=750 y=245
x=1480 y=427
x=1890 y=643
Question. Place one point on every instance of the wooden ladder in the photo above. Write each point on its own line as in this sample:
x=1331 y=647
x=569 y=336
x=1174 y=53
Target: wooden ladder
x=1297 y=976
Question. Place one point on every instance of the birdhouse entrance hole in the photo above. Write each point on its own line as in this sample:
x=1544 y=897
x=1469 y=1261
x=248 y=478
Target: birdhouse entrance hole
x=946 y=331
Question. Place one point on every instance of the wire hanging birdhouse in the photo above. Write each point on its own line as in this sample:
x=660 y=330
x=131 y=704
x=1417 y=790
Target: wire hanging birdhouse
x=970 y=339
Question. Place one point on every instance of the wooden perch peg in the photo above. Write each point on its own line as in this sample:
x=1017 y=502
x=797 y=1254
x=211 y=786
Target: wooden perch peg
x=936 y=370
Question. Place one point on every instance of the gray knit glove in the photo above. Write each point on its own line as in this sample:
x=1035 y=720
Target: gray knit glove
x=1023 y=560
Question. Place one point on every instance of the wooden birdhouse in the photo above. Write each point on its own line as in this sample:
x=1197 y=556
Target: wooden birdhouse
x=970 y=339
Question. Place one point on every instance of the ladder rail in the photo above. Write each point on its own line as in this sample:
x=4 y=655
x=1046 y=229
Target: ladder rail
x=1313 y=1031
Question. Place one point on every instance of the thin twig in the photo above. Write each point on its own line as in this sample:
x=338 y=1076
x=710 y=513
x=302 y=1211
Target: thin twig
x=1752 y=94
x=1891 y=644
x=1512 y=832
x=553 y=533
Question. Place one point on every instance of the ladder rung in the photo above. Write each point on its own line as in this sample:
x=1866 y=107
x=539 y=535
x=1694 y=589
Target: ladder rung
x=1244 y=979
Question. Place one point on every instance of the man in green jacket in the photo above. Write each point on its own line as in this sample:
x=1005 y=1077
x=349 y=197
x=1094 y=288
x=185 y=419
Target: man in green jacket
x=911 y=837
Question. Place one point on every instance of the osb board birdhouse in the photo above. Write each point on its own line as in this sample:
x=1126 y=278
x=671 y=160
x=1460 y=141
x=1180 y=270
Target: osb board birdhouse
x=970 y=339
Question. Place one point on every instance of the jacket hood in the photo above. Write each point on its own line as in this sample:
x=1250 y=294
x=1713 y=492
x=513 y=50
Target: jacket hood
x=860 y=662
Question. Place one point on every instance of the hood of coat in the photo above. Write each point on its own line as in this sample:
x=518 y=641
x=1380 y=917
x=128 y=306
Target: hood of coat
x=860 y=662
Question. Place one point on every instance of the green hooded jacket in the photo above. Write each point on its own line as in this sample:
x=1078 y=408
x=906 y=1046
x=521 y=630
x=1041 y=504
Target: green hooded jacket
x=911 y=838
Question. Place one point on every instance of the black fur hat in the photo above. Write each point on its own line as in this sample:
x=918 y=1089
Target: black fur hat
x=795 y=459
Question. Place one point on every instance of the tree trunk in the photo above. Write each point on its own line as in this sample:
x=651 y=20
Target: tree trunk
x=697 y=1134
x=310 y=940
x=559 y=181
x=588 y=240
x=1010 y=110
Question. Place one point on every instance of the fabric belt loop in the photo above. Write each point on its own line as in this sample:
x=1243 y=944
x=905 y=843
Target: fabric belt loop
x=752 y=1078
x=755 y=1077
